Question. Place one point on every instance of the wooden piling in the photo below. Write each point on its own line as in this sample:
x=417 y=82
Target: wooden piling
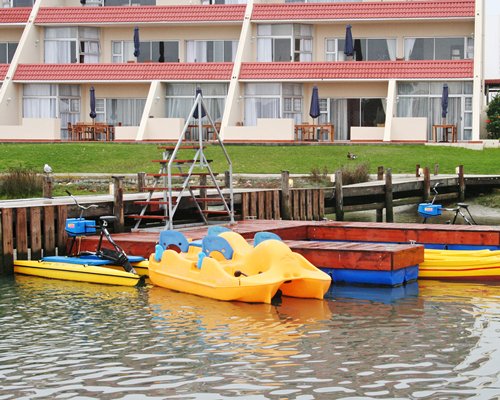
x=118 y=211
x=35 y=233
x=7 y=243
x=62 y=236
x=380 y=176
x=285 y=195
x=49 y=232
x=21 y=234
x=427 y=184
x=339 y=197
x=141 y=181
x=47 y=187
x=389 y=212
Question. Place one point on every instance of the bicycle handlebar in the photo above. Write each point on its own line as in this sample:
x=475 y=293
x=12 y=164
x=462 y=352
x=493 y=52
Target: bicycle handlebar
x=78 y=204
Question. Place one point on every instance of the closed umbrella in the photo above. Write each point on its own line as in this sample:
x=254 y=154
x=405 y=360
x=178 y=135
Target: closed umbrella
x=314 y=111
x=203 y=112
x=348 y=45
x=137 y=43
x=92 y=104
x=444 y=103
x=161 y=50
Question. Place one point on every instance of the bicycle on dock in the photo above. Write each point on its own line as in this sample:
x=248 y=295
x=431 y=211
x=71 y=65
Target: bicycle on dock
x=429 y=210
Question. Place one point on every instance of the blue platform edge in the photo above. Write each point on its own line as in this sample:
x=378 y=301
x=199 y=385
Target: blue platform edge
x=375 y=278
x=88 y=260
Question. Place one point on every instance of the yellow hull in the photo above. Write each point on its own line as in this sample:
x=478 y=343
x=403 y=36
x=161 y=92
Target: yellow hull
x=75 y=272
x=267 y=268
x=461 y=265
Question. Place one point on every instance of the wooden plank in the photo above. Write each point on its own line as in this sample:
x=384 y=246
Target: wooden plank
x=315 y=204
x=268 y=205
x=253 y=205
x=286 y=203
x=49 y=232
x=245 y=198
x=261 y=200
x=309 y=200
x=339 y=197
x=62 y=236
x=321 y=200
x=295 y=205
x=7 y=255
x=389 y=210
x=302 y=199
x=36 y=232
x=21 y=233
x=276 y=204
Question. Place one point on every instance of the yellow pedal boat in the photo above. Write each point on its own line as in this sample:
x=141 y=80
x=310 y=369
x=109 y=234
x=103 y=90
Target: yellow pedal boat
x=226 y=267
x=81 y=272
x=465 y=265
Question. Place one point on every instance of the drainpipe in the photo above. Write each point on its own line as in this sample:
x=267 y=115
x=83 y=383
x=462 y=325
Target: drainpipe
x=390 y=109
x=478 y=86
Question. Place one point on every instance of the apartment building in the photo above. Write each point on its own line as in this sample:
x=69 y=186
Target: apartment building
x=255 y=61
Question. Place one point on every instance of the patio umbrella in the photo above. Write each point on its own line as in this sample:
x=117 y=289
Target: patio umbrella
x=348 y=45
x=314 y=111
x=137 y=43
x=92 y=103
x=203 y=112
x=444 y=102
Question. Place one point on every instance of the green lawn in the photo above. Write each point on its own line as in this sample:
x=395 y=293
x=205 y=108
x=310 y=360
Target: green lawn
x=133 y=158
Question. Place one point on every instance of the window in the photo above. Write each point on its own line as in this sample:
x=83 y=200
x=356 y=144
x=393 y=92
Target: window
x=52 y=101
x=364 y=49
x=127 y=112
x=272 y=100
x=7 y=51
x=20 y=3
x=452 y=48
x=71 y=45
x=284 y=42
x=158 y=51
x=423 y=99
x=180 y=99
x=211 y=50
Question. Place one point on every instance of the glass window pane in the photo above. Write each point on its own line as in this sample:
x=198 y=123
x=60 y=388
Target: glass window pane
x=422 y=49
x=282 y=29
x=3 y=53
x=282 y=50
x=264 y=30
x=11 y=49
x=171 y=51
x=377 y=49
x=262 y=89
x=449 y=48
x=228 y=51
x=413 y=88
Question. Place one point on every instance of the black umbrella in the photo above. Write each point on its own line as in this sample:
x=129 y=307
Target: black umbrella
x=162 y=52
x=444 y=102
x=83 y=2
x=203 y=112
x=92 y=103
x=314 y=110
x=348 y=44
x=137 y=43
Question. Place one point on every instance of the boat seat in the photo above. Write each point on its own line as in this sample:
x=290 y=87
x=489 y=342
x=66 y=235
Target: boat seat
x=218 y=244
x=169 y=239
x=261 y=236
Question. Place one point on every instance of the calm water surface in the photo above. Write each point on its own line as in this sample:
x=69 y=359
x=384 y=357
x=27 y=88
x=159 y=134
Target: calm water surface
x=428 y=340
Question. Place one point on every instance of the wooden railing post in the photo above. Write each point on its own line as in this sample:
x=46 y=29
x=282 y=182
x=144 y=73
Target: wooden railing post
x=285 y=195
x=461 y=183
x=389 y=212
x=47 y=187
x=380 y=176
x=118 y=203
x=339 y=197
x=141 y=181
x=427 y=184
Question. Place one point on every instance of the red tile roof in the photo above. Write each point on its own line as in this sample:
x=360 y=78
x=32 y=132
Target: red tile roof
x=365 y=10
x=357 y=70
x=16 y=15
x=124 y=72
x=138 y=14
x=3 y=71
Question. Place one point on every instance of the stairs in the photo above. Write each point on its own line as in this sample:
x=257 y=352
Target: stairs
x=191 y=179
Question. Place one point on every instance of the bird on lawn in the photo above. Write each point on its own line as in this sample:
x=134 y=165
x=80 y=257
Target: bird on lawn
x=351 y=156
x=47 y=169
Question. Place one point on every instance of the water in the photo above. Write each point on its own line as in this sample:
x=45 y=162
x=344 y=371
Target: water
x=428 y=340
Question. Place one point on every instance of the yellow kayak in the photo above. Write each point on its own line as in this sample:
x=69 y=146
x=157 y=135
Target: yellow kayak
x=481 y=265
x=237 y=271
x=77 y=272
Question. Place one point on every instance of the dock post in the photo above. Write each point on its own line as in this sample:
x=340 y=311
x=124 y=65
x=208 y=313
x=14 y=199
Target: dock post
x=141 y=181
x=285 y=195
x=380 y=176
x=339 y=197
x=461 y=183
x=6 y=242
x=203 y=191
x=118 y=203
x=47 y=187
x=389 y=212
x=227 y=179
x=436 y=169
x=427 y=184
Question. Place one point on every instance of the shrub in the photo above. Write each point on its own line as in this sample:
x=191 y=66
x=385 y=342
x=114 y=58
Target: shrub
x=318 y=175
x=355 y=174
x=21 y=182
x=493 y=121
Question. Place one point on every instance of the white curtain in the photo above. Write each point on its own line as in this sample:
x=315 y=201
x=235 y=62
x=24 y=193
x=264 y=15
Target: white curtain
x=264 y=50
x=190 y=51
x=127 y=111
x=58 y=51
x=338 y=110
x=201 y=51
x=409 y=43
x=261 y=107
x=234 y=48
x=391 y=48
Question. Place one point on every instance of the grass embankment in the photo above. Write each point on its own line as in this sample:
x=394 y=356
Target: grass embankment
x=132 y=158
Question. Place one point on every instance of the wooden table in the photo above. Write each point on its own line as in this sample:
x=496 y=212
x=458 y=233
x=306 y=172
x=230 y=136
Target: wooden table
x=208 y=131
x=314 y=132
x=446 y=129
x=82 y=131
